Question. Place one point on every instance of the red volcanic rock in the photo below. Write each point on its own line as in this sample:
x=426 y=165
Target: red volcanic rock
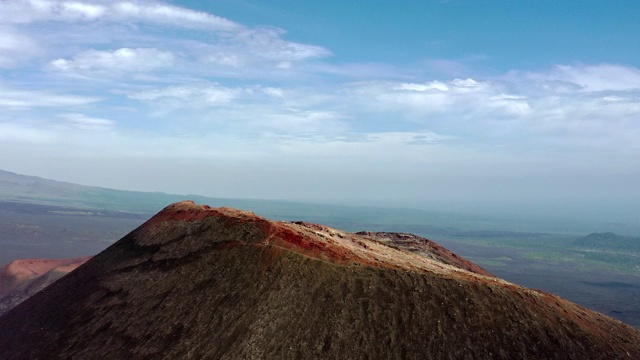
x=20 y=271
x=216 y=283
x=325 y=243
x=24 y=277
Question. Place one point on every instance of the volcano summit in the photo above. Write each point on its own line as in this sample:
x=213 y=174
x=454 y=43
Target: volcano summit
x=196 y=282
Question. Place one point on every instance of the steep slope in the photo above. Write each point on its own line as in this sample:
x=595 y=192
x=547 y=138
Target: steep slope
x=195 y=282
x=22 y=278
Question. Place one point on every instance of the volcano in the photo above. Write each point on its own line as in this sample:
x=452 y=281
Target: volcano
x=196 y=282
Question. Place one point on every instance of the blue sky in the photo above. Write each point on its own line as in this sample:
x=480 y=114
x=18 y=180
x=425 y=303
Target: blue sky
x=455 y=105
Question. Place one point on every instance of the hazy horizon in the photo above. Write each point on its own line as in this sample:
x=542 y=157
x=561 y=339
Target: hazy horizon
x=504 y=108
x=543 y=217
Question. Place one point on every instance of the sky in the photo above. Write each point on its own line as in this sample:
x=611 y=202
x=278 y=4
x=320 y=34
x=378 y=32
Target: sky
x=515 y=106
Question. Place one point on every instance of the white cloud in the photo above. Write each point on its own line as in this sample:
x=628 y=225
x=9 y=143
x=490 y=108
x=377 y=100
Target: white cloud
x=85 y=11
x=195 y=101
x=20 y=99
x=29 y=11
x=190 y=95
x=267 y=43
x=225 y=58
x=587 y=78
x=201 y=95
x=320 y=125
x=465 y=83
x=255 y=48
x=245 y=112
x=120 y=60
x=141 y=36
x=273 y=91
x=15 y=48
x=577 y=109
x=432 y=85
x=84 y=122
x=173 y=15
x=510 y=105
x=466 y=98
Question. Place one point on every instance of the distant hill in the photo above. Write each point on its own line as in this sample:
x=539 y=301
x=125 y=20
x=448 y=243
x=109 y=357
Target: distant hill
x=217 y=283
x=35 y=190
x=609 y=248
x=609 y=241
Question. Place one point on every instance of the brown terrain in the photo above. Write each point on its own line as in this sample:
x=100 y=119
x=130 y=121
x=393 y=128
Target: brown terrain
x=196 y=282
x=22 y=278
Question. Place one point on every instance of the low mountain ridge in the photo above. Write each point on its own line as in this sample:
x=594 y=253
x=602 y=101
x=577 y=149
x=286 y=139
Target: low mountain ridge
x=196 y=282
x=609 y=241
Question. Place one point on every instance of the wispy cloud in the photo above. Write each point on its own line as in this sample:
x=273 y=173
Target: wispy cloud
x=113 y=62
x=589 y=107
x=30 y=11
x=85 y=122
x=586 y=78
x=435 y=100
x=11 y=98
x=90 y=38
x=15 y=48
